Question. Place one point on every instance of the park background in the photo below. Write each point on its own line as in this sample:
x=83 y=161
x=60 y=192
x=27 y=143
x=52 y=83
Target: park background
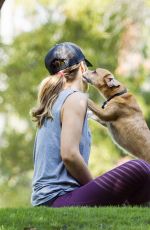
x=113 y=34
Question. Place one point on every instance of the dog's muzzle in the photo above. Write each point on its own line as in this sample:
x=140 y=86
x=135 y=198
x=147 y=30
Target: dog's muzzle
x=88 y=80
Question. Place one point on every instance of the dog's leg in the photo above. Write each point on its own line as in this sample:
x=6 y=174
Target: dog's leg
x=110 y=113
x=92 y=116
x=98 y=120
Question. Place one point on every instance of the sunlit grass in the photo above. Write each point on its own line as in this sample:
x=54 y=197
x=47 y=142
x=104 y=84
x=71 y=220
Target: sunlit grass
x=124 y=218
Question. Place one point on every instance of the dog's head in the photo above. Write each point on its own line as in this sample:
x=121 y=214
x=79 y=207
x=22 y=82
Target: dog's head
x=101 y=78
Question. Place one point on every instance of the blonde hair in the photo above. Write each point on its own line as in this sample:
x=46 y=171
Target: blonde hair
x=49 y=90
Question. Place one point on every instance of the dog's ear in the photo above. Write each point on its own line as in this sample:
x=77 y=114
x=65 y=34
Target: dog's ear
x=112 y=82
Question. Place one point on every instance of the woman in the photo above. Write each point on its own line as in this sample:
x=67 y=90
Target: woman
x=62 y=145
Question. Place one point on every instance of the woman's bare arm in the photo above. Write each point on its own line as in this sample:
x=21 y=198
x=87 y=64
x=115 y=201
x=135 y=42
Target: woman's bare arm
x=73 y=113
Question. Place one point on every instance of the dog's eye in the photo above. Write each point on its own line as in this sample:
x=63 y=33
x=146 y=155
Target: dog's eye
x=110 y=79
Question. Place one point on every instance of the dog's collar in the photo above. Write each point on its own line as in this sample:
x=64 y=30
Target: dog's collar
x=115 y=95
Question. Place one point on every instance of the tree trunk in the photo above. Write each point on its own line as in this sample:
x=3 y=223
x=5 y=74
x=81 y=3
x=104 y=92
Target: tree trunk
x=1 y=3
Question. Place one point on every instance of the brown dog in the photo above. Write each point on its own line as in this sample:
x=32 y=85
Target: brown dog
x=120 y=113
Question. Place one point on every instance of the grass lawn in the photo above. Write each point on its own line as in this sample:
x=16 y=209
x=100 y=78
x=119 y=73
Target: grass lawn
x=124 y=218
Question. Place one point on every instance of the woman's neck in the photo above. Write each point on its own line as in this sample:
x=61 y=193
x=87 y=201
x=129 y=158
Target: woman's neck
x=77 y=85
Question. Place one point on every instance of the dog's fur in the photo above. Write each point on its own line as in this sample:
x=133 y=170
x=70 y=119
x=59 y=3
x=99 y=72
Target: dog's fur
x=122 y=114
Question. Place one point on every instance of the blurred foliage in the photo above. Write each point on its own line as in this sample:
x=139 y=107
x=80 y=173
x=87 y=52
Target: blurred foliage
x=99 y=28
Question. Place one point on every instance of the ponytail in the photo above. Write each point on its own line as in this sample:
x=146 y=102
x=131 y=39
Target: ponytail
x=49 y=90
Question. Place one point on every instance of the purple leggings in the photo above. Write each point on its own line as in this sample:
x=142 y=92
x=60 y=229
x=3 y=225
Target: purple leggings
x=128 y=183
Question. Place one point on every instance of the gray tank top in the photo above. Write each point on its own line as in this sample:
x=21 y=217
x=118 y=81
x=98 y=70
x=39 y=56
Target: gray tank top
x=51 y=179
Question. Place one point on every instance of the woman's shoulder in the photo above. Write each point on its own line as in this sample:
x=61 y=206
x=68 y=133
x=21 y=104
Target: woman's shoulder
x=77 y=100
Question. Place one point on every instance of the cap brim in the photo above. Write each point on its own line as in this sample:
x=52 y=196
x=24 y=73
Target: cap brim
x=88 y=63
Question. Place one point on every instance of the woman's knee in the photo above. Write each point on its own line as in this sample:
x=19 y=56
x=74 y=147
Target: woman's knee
x=140 y=166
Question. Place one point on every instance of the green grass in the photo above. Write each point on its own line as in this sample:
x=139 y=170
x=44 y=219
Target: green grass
x=124 y=218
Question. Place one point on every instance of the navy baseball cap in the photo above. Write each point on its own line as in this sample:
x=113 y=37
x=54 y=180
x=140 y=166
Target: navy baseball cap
x=67 y=54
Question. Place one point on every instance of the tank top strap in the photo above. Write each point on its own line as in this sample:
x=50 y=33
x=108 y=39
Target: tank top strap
x=62 y=97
